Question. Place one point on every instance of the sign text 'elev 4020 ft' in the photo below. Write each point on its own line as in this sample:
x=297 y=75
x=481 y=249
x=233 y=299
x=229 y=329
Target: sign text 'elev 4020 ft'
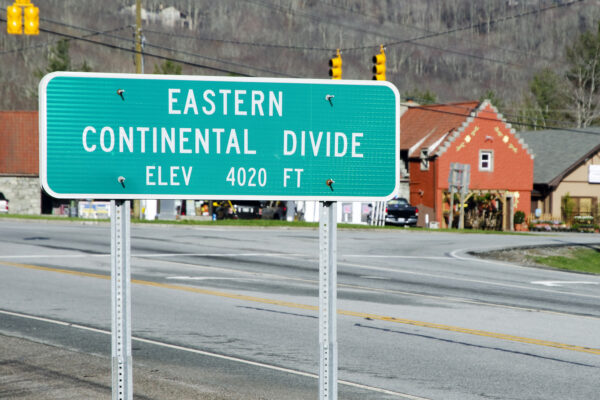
x=122 y=136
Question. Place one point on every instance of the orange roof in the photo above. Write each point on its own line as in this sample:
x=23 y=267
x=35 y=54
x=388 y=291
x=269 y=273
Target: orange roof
x=428 y=126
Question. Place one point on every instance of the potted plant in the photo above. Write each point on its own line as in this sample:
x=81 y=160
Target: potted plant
x=519 y=219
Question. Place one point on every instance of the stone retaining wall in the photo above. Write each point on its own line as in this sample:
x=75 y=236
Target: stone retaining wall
x=23 y=193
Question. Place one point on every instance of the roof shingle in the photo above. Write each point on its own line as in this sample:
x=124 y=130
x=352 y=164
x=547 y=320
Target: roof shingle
x=424 y=126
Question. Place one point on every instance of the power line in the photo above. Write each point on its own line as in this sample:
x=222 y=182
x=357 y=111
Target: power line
x=471 y=110
x=272 y=6
x=112 y=46
x=424 y=30
x=241 y=43
x=217 y=60
x=309 y=15
x=35 y=46
x=504 y=113
x=490 y=22
x=94 y=32
x=116 y=47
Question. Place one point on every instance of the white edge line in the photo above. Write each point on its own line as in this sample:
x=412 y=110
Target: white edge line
x=214 y=355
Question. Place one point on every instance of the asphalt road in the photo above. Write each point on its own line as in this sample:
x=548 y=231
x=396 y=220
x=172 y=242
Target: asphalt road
x=231 y=313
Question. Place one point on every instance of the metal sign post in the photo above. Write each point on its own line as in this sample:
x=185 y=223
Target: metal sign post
x=328 y=301
x=220 y=138
x=120 y=278
x=192 y=137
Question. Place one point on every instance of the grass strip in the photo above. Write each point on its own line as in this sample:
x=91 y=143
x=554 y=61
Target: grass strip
x=576 y=259
x=256 y=223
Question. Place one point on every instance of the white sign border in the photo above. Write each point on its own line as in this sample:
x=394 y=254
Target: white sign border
x=43 y=130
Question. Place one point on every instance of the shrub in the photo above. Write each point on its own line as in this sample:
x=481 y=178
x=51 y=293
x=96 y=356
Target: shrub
x=519 y=217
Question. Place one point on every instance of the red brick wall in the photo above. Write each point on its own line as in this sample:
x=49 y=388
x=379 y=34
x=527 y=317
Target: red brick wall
x=512 y=164
x=422 y=190
x=19 y=143
x=422 y=184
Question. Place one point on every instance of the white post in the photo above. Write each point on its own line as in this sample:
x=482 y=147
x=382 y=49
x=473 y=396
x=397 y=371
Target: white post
x=120 y=278
x=328 y=301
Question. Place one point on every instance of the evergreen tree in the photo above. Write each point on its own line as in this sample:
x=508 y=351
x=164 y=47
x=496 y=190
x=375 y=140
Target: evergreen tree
x=421 y=96
x=549 y=97
x=168 y=67
x=494 y=99
x=60 y=60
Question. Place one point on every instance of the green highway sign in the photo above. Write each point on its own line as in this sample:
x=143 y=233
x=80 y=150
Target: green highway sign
x=126 y=136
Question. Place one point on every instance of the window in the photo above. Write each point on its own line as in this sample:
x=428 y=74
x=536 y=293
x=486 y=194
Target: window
x=486 y=160
x=424 y=160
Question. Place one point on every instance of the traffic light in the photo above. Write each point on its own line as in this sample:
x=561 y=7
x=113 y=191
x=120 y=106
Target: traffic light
x=32 y=20
x=379 y=65
x=14 y=20
x=335 y=66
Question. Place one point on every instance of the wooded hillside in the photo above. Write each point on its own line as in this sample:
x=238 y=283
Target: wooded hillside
x=457 y=49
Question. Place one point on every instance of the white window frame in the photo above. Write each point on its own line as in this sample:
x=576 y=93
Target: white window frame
x=490 y=160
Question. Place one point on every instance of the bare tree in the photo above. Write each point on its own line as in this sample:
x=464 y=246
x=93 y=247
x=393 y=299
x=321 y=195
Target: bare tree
x=584 y=76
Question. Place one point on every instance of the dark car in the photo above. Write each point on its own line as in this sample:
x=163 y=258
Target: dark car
x=3 y=203
x=400 y=212
x=274 y=210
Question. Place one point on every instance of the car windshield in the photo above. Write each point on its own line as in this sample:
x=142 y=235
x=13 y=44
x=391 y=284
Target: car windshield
x=398 y=202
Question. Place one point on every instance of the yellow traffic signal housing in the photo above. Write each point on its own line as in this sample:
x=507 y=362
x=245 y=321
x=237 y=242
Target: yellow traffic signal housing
x=14 y=20
x=379 y=65
x=335 y=66
x=32 y=20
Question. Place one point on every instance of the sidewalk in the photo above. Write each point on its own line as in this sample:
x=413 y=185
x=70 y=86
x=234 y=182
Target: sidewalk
x=34 y=371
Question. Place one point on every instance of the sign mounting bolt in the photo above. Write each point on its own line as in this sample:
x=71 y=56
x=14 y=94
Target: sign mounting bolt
x=120 y=93
x=330 y=183
x=329 y=98
x=121 y=180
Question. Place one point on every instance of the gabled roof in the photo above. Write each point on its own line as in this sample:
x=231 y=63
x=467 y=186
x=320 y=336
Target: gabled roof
x=559 y=152
x=428 y=126
x=436 y=127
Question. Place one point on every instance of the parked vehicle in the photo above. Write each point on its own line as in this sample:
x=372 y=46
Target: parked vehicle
x=274 y=210
x=3 y=203
x=237 y=209
x=245 y=209
x=399 y=212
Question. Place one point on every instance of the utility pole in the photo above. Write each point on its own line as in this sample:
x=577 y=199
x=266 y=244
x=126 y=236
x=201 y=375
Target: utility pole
x=137 y=209
x=138 y=37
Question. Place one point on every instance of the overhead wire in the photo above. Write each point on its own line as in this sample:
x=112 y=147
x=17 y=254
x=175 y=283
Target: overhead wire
x=170 y=49
x=417 y=28
x=85 y=38
x=512 y=122
x=129 y=50
x=426 y=103
x=411 y=41
x=239 y=42
x=41 y=45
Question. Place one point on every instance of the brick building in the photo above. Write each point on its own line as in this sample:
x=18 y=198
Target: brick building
x=501 y=178
x=19 y=161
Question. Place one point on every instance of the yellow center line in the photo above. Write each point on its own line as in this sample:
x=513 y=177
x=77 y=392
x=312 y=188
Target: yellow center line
x=450 y=328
